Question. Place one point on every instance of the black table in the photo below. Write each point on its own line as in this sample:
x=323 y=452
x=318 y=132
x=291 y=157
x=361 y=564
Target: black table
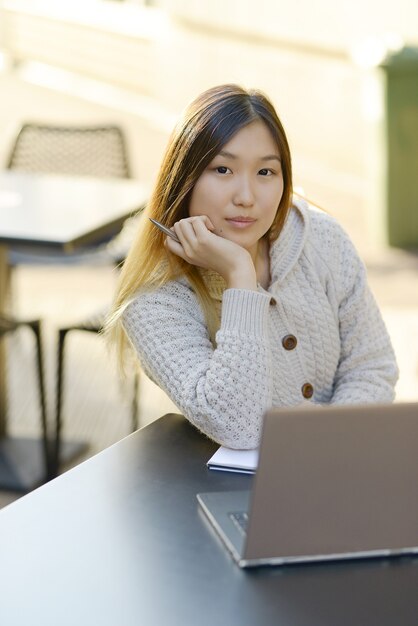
x=61 y=213
x=120 y=540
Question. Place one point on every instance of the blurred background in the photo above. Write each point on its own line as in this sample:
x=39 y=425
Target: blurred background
x=344 y=78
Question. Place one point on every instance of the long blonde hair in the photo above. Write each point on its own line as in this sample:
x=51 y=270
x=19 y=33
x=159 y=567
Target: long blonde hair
x=206 y=125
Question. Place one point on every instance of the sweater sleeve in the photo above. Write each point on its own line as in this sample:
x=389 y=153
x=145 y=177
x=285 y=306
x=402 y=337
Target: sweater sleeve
x=367 y=370
x=223 y=391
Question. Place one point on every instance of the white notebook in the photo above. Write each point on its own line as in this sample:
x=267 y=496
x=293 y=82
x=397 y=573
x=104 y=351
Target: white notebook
x=227 y=460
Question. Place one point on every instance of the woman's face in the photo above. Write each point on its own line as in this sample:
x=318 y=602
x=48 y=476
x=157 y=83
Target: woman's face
x=240 y=190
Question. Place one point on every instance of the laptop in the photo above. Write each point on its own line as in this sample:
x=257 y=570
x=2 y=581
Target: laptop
x=335 y=482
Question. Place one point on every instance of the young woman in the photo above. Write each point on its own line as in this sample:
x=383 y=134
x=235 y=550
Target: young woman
x=264 y=301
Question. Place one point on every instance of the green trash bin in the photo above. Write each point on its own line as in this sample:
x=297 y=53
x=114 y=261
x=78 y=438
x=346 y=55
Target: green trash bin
x=400 y=193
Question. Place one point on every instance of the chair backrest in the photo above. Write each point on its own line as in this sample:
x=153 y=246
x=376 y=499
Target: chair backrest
x=78 y=151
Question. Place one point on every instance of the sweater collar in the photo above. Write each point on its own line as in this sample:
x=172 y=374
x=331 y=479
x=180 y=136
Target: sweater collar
x=287 y=248
x=284 y=252
x=215 y=284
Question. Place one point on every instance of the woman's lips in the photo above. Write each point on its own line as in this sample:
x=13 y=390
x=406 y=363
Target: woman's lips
x=240 y=222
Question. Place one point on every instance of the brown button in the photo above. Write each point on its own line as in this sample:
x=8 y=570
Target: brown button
x=289 y=342
x=307 y=390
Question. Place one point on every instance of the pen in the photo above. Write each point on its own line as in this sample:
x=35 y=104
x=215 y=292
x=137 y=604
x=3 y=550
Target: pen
x=165 y=230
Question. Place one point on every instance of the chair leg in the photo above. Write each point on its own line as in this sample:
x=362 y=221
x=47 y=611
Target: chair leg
x=58 y=414
x=36 y=328
x=135 y=404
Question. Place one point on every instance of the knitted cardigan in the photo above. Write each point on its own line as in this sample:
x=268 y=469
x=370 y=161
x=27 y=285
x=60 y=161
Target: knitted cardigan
x=318 y=295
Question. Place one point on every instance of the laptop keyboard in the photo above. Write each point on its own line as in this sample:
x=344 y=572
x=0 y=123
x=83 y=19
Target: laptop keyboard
x=240 y=519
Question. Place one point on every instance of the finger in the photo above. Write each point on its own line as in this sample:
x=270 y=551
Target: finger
x=201 y=230
x=185 y=232
x=205 y=223
x=208 y=223
x=203 y=219
x=174 y=247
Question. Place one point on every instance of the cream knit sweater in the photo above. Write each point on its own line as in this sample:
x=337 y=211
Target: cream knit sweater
x=318 y=294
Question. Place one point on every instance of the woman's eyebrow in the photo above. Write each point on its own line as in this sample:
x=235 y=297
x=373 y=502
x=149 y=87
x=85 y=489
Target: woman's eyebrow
x=271 y=157
x=230 y=155
x=226 y=154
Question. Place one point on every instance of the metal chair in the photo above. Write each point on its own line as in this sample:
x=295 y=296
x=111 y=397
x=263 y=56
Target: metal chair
x=94 y=325
x=8 y=325
x=98 y=151
x=80 y=151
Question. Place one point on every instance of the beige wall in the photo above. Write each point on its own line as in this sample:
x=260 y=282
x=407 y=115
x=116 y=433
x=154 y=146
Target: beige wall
x=299 y=52
x=334 y=25
x=22 y=101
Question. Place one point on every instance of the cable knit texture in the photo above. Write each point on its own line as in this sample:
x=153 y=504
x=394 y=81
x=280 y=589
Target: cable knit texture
x=318 y=293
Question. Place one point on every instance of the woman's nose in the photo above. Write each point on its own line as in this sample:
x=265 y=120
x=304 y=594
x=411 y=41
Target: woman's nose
x=244 y=193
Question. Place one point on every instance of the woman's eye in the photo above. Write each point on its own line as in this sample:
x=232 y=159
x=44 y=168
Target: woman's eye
x=222 y=169
x=265 y=172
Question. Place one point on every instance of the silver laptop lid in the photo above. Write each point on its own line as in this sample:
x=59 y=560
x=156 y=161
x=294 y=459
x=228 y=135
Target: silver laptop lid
x=335 y=481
